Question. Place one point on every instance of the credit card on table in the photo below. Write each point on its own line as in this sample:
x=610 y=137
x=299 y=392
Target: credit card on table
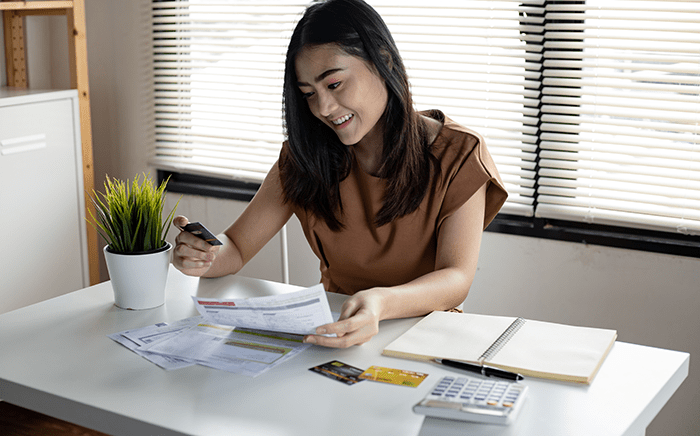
x=202 y=232
x=394 y=376
x=339 y=371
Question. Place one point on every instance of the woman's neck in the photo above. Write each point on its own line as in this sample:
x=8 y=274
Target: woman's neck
x=369 y=158
x=368 y=151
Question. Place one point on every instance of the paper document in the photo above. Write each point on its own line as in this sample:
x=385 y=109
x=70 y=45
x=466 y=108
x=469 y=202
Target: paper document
x=297 y=312
x=238 y=350
x=136 y=339
x=244 y=335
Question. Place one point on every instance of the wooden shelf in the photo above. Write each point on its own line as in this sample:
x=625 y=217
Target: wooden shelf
x=35 y=5
x=13 y=13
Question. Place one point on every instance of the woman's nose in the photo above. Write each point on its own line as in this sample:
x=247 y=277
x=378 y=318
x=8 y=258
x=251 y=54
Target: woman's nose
x=326 y=104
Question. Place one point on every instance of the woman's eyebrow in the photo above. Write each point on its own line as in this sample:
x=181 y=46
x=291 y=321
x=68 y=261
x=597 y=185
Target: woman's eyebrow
x=321 y=76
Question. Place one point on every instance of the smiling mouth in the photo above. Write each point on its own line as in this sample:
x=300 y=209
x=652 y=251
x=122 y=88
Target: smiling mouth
x=342 y=120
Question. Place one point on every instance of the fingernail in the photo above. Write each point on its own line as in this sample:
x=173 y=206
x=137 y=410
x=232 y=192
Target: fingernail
x=309 y=340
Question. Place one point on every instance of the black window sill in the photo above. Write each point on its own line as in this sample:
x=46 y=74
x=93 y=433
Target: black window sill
x=208 y=186
x=560 y=230
x=608 y=236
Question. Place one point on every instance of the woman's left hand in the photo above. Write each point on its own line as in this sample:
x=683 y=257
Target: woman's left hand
x=358 y=322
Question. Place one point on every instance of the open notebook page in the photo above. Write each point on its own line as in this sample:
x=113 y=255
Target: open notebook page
x=555 y=351
x=449 y=336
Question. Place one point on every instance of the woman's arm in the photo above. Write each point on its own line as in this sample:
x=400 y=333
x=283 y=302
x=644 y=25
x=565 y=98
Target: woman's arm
x=459 y=240
x=259 y=222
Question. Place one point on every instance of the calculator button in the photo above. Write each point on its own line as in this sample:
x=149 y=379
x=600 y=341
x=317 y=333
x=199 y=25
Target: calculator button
x=473 y=399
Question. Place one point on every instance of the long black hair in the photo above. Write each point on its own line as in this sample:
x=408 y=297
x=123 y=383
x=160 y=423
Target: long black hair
x=317 y=161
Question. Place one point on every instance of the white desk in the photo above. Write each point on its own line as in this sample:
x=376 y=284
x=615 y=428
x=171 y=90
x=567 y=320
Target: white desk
x=56 y=359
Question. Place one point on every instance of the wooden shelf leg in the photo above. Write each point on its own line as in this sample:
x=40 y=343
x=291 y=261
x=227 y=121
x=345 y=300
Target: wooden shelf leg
x=77 y=47
x=15 y=60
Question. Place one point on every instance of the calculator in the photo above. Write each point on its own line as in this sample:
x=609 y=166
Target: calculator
x=474 y=399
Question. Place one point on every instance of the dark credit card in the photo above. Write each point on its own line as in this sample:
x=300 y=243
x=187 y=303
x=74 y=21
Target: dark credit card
x=202 y=232
x=339 y=371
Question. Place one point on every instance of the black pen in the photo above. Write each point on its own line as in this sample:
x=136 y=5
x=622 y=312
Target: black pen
x=488 y=371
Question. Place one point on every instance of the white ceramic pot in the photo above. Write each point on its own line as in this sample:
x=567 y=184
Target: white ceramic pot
x=138 y=280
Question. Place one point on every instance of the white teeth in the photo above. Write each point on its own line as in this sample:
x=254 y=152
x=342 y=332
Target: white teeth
x=341 y=120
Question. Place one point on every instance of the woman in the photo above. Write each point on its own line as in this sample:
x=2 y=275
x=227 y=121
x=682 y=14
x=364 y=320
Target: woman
x=393 y=202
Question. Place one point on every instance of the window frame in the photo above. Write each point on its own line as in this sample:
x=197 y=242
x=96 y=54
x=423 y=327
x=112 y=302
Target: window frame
x=542 y=228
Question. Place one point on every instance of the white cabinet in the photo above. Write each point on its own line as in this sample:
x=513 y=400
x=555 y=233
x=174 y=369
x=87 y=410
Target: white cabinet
x=43 y=252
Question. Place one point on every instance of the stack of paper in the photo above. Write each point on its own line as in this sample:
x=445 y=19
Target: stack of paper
x=245 y=336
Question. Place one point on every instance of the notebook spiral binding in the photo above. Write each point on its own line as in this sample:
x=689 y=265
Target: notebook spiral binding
x=502 y=340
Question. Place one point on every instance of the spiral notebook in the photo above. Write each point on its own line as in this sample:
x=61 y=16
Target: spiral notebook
x=528 y=347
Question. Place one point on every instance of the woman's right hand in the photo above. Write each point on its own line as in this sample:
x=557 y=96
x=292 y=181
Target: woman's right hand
x=192 y=255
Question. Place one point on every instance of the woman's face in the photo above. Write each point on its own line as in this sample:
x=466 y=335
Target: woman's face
x=343 y=91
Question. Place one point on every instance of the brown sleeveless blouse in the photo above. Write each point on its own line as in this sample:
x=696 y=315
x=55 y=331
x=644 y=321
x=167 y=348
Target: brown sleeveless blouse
x=362 y=256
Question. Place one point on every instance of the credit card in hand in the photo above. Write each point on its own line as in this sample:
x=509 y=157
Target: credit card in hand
x=202 y=232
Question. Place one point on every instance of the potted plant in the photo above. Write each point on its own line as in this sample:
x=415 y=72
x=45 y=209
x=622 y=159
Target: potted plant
x=129 y=216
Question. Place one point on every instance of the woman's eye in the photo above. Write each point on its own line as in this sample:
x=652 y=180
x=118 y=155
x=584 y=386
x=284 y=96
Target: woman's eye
x=333 y=85
x=307 y=95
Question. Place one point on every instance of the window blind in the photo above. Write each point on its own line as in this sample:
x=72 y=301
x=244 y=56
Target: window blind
x=219 y=71
x=621 y=113
x=219 y=68
x=479 y=62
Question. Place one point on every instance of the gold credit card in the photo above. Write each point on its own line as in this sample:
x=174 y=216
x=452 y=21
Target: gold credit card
x=394 y=376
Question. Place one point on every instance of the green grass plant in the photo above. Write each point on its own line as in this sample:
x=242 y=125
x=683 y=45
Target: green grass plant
x=128 y=215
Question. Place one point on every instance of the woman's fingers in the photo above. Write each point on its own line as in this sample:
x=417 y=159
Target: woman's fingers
x=192 y=255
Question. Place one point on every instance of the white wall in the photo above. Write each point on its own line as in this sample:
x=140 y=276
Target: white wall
x=650 y=299
x=218 y=214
